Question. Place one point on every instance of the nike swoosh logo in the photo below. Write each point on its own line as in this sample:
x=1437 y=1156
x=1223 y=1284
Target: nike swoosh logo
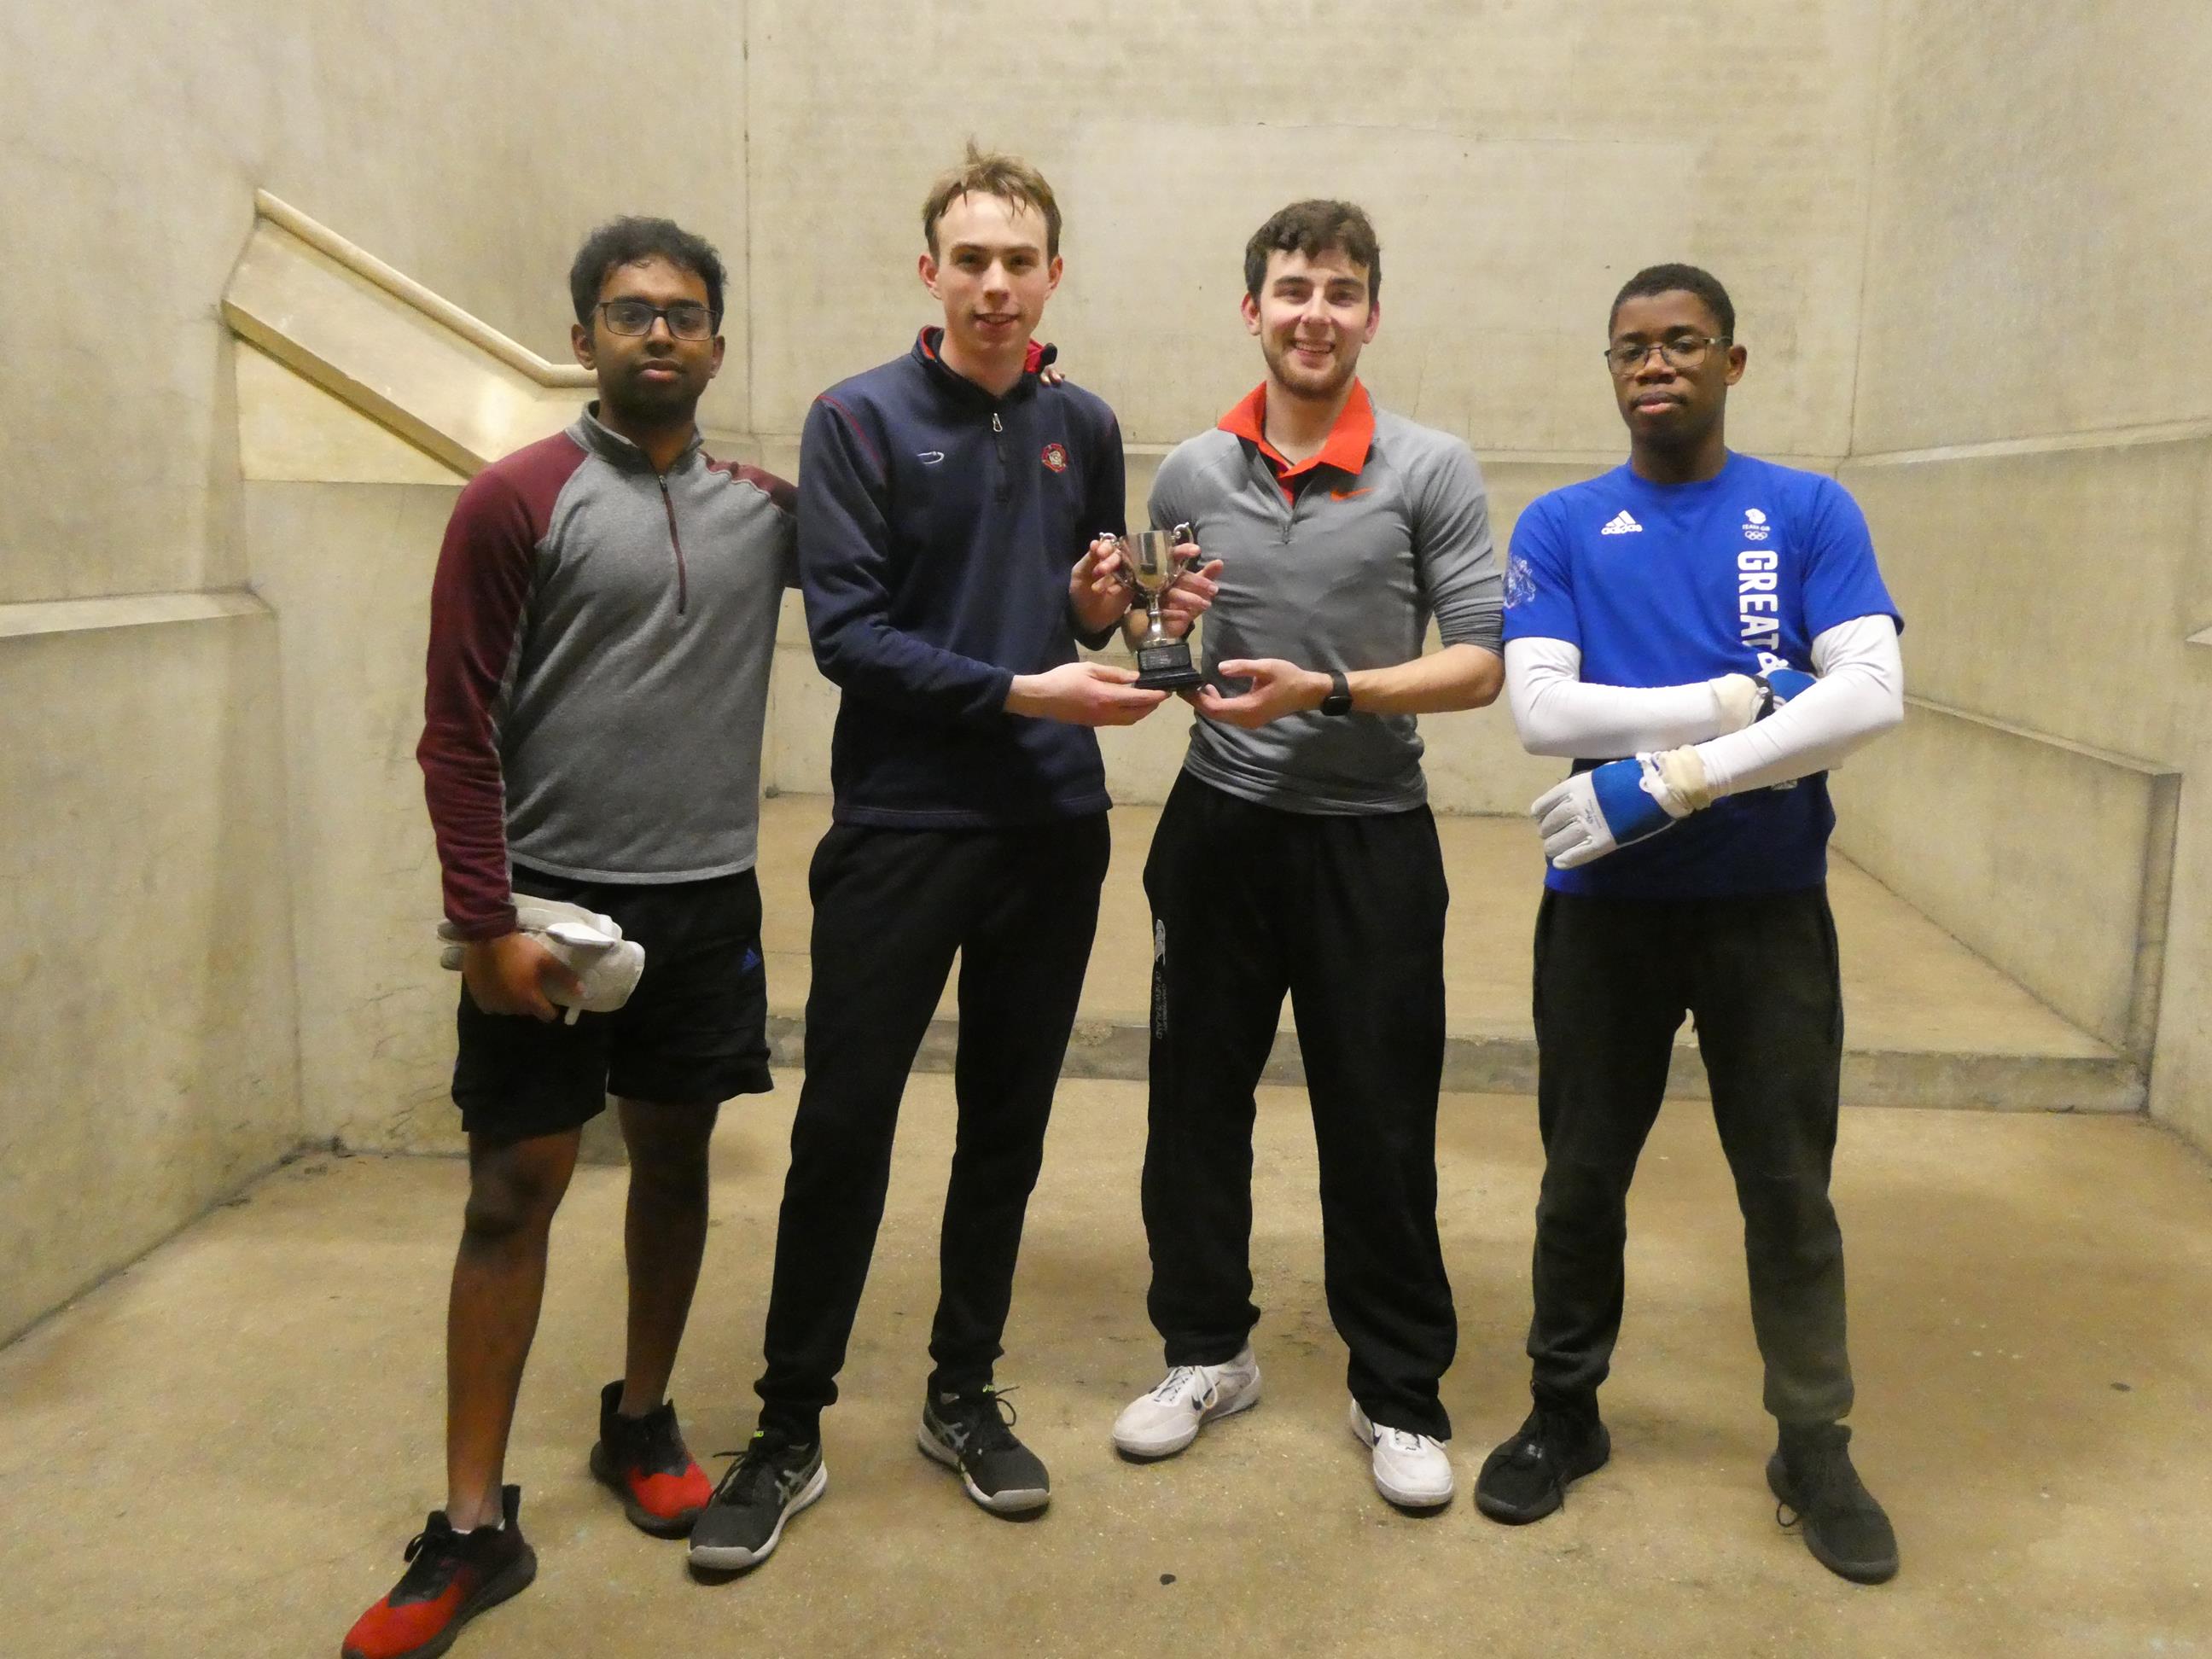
x=1346 y=495
x=930 y=457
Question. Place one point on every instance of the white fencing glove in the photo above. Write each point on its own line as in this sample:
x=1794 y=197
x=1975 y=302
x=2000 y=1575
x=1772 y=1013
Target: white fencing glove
x=1618 y=804
x=589 y=944
x=1746 y=699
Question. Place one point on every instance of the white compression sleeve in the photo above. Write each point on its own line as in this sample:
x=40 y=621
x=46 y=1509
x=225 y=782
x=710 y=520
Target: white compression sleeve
x=1556 y=713
x=1860 y=695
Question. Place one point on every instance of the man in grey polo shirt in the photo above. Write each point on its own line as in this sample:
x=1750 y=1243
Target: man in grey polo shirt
x=1297 y=855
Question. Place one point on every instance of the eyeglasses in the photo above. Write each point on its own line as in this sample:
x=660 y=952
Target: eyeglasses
x=1676 y=351
x=687 y=319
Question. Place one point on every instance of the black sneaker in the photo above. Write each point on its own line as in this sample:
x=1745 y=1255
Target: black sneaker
x=1811 y=1474
x=973 y=1433
x=774 y=1480
x=1528 y=1477
x=451 y=1578
x=646 y=1463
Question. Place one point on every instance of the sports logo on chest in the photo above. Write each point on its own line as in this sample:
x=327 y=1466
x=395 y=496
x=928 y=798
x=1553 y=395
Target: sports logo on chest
x=1055 y=457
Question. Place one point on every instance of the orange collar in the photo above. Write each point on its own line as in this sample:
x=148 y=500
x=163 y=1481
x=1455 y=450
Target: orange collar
x=1346 y=448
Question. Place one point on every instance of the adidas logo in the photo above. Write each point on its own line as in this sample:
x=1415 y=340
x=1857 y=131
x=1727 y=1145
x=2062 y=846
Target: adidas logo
x=1621 y=525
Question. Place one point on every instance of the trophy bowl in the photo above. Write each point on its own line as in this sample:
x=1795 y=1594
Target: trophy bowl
x=1164 y=664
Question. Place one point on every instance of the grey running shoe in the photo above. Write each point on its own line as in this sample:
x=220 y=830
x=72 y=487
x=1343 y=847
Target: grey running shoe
x=974 y=1434
x=763 y=1489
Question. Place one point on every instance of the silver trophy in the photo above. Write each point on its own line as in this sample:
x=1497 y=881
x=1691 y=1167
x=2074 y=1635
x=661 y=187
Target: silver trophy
x=1149 y=561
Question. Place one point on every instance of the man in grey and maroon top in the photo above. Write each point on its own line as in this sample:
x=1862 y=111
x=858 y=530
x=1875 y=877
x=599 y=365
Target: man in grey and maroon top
x=1297 y=855
x=601 y=627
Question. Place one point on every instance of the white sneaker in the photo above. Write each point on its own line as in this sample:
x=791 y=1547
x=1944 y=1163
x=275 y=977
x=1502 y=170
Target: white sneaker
x=1162 y=1423
x=1412 y=1470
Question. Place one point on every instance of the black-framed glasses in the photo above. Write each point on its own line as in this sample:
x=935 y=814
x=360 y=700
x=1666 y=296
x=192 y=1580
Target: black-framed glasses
x=1676 y=351
x=687 y=319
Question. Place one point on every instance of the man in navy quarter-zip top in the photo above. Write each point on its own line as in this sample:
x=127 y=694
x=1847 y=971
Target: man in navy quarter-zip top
x=948 y=505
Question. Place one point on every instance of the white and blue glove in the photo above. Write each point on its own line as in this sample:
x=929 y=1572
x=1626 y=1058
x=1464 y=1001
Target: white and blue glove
x=1746 y=699
x=1618 y=804
x=1782 y=684
x=590 y=945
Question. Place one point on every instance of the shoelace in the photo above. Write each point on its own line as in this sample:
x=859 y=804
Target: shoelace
x=1831 y=1478
x=741 y=1481
x=432 y=1556
x=988 y=1417
x=1404 y=1440
x=654 y=1441
x=1174 y=1382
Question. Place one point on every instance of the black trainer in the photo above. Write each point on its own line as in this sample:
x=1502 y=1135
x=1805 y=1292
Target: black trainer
x=1528 y=1477
x=1811 y=1474
x=973 y=1433
x=646 y=1463
x=774 y=1479
x=451 y=1578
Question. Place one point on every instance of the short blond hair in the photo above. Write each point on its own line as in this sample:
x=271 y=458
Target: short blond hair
x=991 y=173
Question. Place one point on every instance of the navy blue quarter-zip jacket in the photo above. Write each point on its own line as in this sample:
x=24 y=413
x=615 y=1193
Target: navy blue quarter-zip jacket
x=936 y=528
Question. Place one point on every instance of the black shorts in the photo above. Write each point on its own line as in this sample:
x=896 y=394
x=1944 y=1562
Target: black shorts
x=695 y=1032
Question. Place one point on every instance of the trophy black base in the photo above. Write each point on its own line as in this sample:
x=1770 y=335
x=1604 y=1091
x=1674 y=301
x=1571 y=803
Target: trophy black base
x=1166 y=668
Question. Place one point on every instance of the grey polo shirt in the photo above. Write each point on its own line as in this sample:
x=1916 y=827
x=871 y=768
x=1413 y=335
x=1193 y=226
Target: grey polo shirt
x=1338 y=562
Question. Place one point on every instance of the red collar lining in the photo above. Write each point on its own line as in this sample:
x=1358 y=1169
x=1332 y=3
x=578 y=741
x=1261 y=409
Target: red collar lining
x=1344 y=449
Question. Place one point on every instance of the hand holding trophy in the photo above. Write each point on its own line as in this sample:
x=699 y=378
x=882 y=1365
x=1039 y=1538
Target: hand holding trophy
x=1150 y=561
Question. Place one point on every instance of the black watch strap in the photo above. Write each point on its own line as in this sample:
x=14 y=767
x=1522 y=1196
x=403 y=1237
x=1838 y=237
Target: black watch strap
x=1339 y=700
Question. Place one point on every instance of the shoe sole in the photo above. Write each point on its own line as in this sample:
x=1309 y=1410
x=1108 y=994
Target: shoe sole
x=660 y=1526
x=1153 y=1451
x=1017 y=1500
x=1507 y=1514
x=1858 y=1572
x=1404 y=1500
x=511 y=1583
x=735 y=1558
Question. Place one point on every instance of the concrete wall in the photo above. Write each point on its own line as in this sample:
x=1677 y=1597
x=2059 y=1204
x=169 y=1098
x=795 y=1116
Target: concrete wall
x=1519 y=160
x=2032 y=443
x=150 y=1046
x=146 y=1005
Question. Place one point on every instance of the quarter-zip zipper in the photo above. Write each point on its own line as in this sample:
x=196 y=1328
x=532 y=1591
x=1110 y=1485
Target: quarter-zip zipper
x=682 y=584
x=1005 y=472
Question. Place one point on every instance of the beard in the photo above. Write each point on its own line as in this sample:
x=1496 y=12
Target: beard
x=654 y=402
x=1319 y=385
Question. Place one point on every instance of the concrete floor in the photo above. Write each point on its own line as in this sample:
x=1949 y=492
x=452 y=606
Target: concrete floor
x=222 y=1450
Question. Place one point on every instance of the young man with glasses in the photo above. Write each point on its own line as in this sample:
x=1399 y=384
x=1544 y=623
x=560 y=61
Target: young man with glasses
x=1297 y=855
x=946 y=498
x=1718 y=622
x=601 y=627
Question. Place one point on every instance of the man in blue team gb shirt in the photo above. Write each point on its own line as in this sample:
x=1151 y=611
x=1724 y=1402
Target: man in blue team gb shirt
x=1703 y=635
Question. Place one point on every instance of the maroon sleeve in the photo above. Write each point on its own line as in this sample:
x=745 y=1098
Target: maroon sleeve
x=784 y=497
x=476 y=603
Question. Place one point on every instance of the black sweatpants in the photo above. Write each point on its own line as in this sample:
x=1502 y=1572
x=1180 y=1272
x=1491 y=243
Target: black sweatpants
x=1347 y=914
x=890 y=909
x=1614 y=979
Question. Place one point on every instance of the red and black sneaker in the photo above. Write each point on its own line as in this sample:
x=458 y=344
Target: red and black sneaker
x=646 y=1461
x=451 y=1578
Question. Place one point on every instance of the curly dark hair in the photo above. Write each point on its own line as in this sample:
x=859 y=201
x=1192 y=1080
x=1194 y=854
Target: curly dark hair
x=626 y=241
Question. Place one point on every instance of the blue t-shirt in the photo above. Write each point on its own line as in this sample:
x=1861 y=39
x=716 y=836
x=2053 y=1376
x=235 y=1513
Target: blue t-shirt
x=1669 y=584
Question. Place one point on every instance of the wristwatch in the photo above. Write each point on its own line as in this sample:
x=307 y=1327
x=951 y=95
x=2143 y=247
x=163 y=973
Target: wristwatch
x=1339 y=700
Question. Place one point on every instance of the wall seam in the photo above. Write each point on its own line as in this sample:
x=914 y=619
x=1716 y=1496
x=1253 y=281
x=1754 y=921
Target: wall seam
x=1873 y=124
